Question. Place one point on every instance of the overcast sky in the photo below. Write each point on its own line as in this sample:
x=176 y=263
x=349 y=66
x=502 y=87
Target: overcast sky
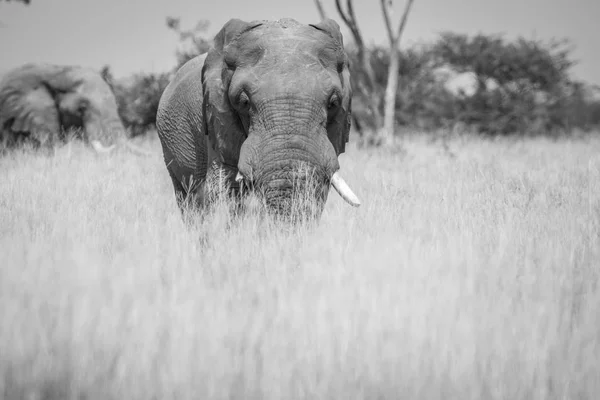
x=131 y=35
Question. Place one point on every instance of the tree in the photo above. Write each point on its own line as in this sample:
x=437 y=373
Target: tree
x=320 y=9
x=392 y=81
x=419 y=103
x=26 y=2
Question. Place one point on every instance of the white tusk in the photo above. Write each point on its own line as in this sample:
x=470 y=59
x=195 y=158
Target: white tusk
x=344 y=190
x=239 y=177
x=100 y=148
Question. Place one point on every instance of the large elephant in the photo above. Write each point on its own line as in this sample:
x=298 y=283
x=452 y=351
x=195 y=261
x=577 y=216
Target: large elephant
x=268 y=99
x=42 y=101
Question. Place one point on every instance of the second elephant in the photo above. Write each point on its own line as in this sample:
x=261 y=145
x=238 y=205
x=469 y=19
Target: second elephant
x=39 y=102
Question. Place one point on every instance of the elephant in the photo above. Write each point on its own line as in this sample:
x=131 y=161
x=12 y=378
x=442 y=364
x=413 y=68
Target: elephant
x=269 y=100
x=39 y=102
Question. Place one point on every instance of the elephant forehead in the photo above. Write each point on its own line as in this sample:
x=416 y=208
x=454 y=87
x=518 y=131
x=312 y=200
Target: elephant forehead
x=275 y=44
x=95 y=87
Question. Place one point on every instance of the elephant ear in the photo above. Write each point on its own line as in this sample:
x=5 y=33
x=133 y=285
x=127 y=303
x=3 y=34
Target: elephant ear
x=222 y=126
x=346 y=106
x=33 y=111
x=339 y=130
x=332 y=28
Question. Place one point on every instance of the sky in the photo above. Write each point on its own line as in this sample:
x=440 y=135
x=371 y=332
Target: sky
x=131 y=35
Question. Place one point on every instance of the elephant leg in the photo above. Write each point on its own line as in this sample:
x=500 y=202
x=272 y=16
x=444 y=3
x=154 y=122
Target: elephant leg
x=180 y=193
x=42 y=121
x=8 y=139
x=189 y=193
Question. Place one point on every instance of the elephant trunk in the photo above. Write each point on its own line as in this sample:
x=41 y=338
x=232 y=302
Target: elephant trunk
x=104 y=133
x=290 y=170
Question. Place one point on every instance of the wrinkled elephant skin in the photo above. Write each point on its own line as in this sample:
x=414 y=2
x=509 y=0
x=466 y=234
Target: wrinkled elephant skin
x=269 y=104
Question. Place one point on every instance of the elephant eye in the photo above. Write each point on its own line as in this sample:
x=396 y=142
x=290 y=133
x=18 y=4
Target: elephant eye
x=83 y=106
x=243 y=100
x=334 y=102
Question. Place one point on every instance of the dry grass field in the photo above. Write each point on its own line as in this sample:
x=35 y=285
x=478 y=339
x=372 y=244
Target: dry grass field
x=466 y=274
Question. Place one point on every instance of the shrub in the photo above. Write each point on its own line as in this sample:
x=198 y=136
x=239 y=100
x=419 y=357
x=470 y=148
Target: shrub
x=138 y=98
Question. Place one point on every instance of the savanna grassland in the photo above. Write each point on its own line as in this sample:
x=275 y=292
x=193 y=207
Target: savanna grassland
x=469 y=272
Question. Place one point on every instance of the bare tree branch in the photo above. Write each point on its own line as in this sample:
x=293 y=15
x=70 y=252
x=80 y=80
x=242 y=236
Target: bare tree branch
x=352 y=16
x=351 y=10
x=349 y=18
x=386 y=18
x=320 y=9
x=394 y=66
x=350 y=22
x=345 y=18
x=407 y=8
x=395 y=39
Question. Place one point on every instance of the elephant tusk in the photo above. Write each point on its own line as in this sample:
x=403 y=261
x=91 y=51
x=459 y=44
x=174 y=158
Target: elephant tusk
x=239 y=177
x=344 y=190
x=100 y=148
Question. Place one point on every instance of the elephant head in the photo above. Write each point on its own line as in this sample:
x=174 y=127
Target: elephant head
x=277 y=104
x=42 y=101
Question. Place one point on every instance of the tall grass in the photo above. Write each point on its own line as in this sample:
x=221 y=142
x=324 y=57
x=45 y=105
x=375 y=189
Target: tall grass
x=469 y=272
